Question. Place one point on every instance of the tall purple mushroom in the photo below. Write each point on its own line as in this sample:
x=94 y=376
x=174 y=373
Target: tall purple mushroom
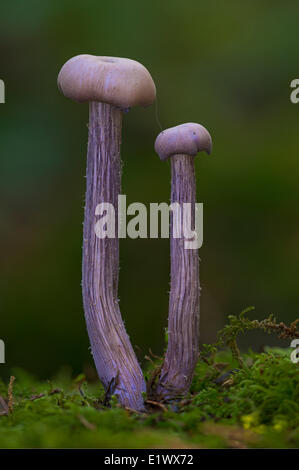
x=181 y=144
x=111 y=85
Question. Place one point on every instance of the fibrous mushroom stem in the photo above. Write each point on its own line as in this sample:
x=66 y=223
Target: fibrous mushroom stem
x=183 y=321
x=115 y=360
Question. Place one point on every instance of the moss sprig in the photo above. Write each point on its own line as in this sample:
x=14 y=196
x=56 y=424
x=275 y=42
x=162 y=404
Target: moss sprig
x=240 y=324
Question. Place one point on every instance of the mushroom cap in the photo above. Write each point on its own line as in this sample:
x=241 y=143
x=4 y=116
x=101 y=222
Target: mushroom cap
x=121 y=82
x=187 y=139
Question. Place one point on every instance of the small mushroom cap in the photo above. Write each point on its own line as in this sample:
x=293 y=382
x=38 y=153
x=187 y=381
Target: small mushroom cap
x=121 y=82
x=186 y=139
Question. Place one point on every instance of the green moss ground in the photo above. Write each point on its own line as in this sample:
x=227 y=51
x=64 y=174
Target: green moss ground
x=229 y=406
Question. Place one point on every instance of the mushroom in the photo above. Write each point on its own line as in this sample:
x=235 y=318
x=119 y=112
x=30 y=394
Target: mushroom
x=112 y=85
x=182 y=143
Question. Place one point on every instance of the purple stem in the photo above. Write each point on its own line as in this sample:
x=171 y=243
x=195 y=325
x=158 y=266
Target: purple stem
x=183 y=321
x=112 y=351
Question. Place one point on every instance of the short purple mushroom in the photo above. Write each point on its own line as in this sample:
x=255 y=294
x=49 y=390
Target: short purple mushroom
x=181 y=144
x=111 y=85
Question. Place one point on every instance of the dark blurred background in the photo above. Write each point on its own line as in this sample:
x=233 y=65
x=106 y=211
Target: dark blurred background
x=226 y=65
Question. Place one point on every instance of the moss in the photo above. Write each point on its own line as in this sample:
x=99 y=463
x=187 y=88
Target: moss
x=252 y=402
x=249 y=407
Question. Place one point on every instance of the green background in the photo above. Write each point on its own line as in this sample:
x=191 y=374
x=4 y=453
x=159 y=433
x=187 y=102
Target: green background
x=226 y=65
